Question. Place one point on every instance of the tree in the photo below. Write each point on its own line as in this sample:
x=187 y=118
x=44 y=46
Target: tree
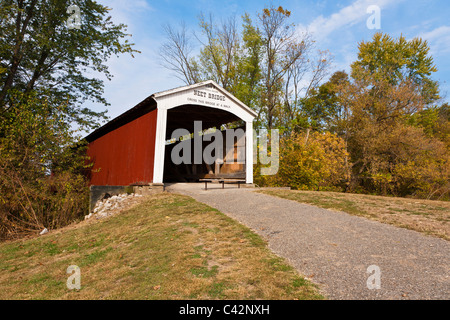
x=391 y=83
x=248 y=87
x=219 y=56
x=315 y=162
x=397 y=62
x=260 y=65
x=435 y=122
x=42 y=173
x=39 y=53
x=386 y=114
x=176 y=55
x=45 y=76
x=282 y=49
x=296 y=92
x=324 y=109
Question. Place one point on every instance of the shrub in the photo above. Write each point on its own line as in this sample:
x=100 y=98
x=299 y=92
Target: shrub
x=316 y=161
x=41 y=172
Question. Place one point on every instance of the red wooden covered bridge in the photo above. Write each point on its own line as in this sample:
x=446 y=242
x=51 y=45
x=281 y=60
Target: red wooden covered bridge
x=134 y=149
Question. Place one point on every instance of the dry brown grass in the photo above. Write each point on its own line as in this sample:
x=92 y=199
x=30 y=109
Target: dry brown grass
x=426 y=216
x=168 y=247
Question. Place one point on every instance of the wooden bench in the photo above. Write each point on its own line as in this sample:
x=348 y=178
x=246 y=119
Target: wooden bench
x=222 y=181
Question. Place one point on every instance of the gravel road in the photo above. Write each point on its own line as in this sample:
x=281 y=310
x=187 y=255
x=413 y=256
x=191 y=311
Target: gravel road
x=334 y=249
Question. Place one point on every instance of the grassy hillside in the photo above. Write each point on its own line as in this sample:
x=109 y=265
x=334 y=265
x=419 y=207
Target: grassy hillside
x=426 y=216
x=168 y=247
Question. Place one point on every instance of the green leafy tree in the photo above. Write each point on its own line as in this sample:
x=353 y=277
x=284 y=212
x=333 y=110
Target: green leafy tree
x=392 y=81
x=324 y=109
x=435 y=122
x=46 y=74
x=38 y=52
x=248 y=87
x=397 y=62
x=42 y=173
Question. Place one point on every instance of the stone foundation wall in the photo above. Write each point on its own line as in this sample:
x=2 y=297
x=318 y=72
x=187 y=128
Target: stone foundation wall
x=101 y=192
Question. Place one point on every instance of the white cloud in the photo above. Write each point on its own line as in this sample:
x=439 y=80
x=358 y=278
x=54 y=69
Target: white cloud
x=348 y=16
x=125 y=11
x=438 y=40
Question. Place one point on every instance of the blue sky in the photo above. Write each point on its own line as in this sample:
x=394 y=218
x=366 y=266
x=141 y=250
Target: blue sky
x=337 y=26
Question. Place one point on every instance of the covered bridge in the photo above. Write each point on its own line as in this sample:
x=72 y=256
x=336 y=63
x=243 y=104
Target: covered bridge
x=135 y=147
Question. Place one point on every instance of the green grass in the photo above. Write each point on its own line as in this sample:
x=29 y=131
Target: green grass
x=168 y=247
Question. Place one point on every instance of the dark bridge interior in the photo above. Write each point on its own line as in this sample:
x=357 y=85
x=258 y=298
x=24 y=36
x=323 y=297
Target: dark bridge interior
x=183 y=117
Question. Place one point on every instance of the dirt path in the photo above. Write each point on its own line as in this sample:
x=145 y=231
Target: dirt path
x=334 y=249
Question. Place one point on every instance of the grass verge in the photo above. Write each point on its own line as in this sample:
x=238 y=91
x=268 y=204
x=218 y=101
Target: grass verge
x=168 y=247
x=427 y=216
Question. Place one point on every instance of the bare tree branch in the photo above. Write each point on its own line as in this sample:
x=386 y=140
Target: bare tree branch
x=176 y=54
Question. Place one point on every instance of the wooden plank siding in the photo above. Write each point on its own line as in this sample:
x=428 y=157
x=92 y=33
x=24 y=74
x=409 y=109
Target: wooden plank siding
x=125 y=155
